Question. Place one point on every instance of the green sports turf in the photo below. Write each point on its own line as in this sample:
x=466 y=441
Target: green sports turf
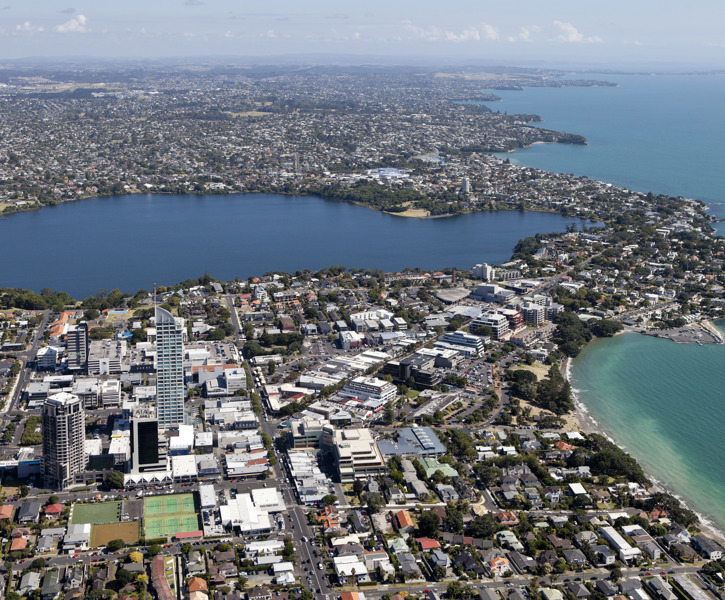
x=96 y=514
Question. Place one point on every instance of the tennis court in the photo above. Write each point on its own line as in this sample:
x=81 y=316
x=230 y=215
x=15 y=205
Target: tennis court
x=165 y=516
x=96 y=514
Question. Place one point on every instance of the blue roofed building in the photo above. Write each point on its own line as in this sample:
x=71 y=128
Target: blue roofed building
x=417 y=442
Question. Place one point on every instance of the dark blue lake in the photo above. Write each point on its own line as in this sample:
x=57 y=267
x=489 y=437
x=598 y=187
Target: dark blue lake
x=130 y=242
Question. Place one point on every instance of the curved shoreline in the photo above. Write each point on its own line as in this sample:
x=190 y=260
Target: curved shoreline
x=301 y=194
x=587 y=423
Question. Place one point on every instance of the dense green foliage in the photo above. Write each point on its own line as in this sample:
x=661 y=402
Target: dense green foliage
x=605 y=328
x=554 y=393
x=114 y=480
x=674 y=508
x=523 y=383
x=460 y=444
x=30 y=437
x=605 y=458
x=378 y=196
x=29 y=300
x=571 y=333
x=269 y=344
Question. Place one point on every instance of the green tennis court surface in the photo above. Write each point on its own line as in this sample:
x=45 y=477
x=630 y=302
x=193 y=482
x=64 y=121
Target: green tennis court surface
x=165 y=516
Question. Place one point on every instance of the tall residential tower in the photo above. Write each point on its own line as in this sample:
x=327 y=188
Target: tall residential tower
x=64 y=432
x=170 y=391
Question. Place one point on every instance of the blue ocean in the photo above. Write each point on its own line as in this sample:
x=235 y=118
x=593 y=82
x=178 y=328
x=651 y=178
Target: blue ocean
x=653 y=133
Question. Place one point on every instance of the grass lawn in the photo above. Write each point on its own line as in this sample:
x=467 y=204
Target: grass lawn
x=96 y=514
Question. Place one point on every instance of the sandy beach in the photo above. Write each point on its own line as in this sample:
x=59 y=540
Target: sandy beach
x=581 y=420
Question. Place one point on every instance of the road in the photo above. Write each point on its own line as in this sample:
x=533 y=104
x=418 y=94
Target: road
x=24 y=376
x=521 y=581
x=298 y=527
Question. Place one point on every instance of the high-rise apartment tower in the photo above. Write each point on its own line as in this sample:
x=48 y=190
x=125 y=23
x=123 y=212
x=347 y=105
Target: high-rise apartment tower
x=170 y=391
x=64 y=432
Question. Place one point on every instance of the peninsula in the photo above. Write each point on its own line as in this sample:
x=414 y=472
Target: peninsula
x=70 y=133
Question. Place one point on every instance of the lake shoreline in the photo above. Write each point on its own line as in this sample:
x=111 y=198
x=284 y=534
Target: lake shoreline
x=298 y=193
x=237 y=231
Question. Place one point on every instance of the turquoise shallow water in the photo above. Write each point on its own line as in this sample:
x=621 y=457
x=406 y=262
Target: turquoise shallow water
x=664 y=403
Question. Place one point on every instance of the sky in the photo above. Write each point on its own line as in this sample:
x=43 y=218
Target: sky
x=613 y=33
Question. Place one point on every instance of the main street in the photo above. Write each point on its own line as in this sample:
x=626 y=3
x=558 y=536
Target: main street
x=300 y=532
x=23 y=377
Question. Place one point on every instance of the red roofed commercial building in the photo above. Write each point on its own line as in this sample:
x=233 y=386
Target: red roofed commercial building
x=60 y=327
x=352 y=596
x=189 y=536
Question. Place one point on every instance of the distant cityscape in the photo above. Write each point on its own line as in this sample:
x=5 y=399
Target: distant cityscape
x=305 y=132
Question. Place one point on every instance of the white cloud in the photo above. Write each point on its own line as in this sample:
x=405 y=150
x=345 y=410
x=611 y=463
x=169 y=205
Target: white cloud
x=489 y=32
x=228 y=34
x=28 y=28
x=524 y=34
x=570 y=34
x=193 y=3
x=270 y=34
x=75 y=25
x=437 y=34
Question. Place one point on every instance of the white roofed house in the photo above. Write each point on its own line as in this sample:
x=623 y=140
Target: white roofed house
x=626 y=552
x=267 y=547
x=350 y=569
x=77 y=537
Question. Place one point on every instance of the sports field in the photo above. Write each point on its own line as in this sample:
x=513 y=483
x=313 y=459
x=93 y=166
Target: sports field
x=165 y=516
x=129 y=532
x=96 y=514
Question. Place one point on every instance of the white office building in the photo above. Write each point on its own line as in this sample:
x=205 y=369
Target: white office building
x=475 y=343
x=77 y=347
x=370 y=388
x=483 y=271
x=498 y=323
